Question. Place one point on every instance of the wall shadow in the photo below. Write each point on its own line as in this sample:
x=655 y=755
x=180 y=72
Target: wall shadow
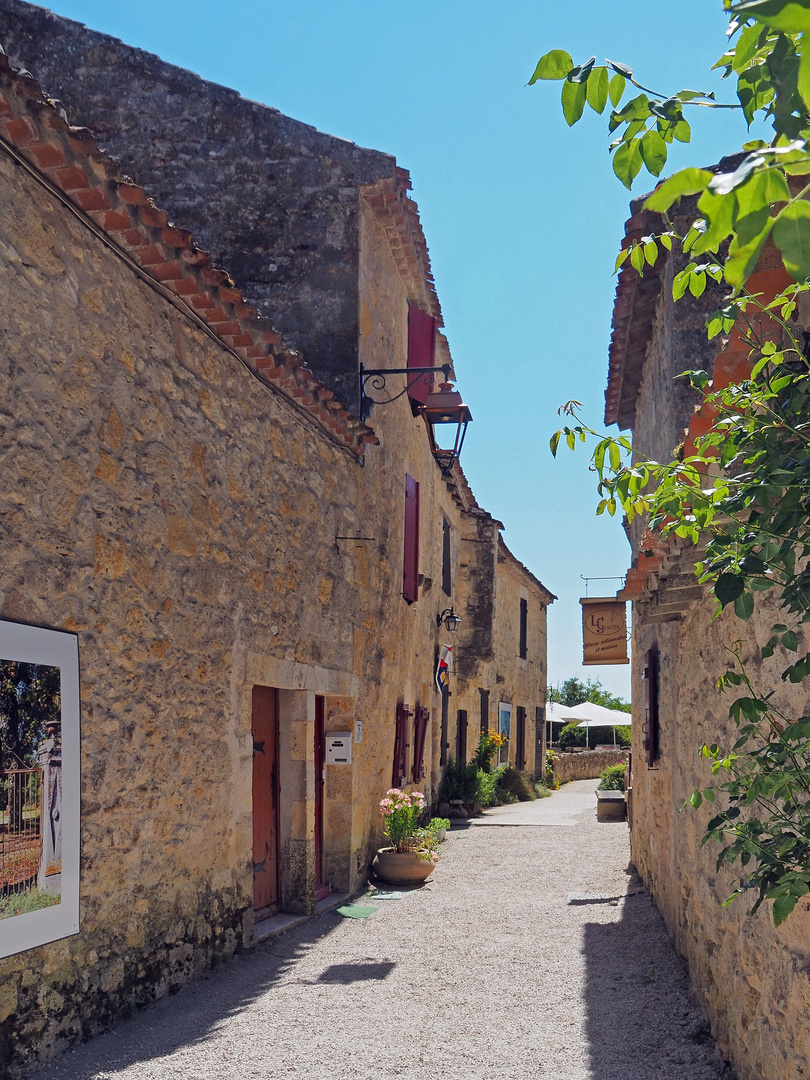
x=641 y=1020
x=191 y=1016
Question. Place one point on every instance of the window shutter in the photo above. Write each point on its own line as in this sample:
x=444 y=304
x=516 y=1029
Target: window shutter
x=400 y=772
x=520 y=738
x=421 y=352
x=419 y=731
x=444 y=745
x=461 y=735
x=484 y=711
x=651 y=728
x=524 y=618
x=446 y=582
x=410 y=575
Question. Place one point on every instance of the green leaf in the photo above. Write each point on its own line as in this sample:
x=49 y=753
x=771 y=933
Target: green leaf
x=744 y=606
x=654 y=152
x=596 y=90
x=728 y=587
x=697 y=283
x=791 y=234
x=790 y=641
x=696 y=799
x=741 y=261
x=682 y=131
x=637 y=258
x=616 y=89
x=627 y=162
x=794 y=18
x=685 y=182
x=573 y=101
x=554 y=442
x=554 y=65
x=782 y=907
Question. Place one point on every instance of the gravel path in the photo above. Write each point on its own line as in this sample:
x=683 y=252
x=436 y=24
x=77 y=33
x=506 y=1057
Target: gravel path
x=533 y=952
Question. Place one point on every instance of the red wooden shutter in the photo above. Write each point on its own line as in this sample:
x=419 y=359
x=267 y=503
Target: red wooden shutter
x=400 y=773
x=421 y=352
x=410 y=574
x=419 y=731
x=650 y=728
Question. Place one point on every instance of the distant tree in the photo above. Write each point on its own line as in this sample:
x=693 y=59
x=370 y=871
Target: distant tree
x=29 y=699
x=574 y=691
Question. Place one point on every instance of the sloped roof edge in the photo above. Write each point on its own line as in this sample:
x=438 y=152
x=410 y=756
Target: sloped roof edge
x=507 y=554
x=36 y=130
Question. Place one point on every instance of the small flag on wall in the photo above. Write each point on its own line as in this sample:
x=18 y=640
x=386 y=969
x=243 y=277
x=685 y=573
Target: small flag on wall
x=444 y=667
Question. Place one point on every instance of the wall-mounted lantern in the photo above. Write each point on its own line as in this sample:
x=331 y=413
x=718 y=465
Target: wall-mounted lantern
x=443 y=408
x=450 y=620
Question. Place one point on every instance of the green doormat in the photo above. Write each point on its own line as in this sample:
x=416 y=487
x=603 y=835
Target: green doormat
x=355 y=911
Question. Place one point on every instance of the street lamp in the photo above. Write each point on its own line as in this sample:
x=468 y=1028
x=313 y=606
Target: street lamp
x=445 y=408
x=450 y=620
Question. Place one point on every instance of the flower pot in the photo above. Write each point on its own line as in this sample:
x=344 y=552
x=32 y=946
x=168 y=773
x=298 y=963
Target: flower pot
x=401 y=868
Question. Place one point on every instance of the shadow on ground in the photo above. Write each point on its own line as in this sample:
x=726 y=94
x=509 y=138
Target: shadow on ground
x=197 y=1010
x=641 y=1024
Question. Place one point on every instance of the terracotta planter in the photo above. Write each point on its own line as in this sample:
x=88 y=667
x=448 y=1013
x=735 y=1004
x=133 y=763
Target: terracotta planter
x=401 y=868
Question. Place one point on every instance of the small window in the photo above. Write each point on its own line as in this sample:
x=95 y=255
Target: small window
x=461 y=735
x=444 y=745
x=410 y=573
x=651 y=728
x=420 y=724
x=446 y=580
x=524 y=618
x=400 y=770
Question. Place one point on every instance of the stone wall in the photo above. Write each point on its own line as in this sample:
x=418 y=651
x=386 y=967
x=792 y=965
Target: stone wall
x=750 y=976
x=585 y=765
x=274 y=201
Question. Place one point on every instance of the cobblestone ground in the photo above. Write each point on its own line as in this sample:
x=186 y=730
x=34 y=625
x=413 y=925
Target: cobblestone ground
x=533 y=952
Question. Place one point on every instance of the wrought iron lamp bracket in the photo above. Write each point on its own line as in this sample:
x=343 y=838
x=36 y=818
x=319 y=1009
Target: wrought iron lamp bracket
x=378 y=382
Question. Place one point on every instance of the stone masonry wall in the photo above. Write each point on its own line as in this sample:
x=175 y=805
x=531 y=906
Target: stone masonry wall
x=587 y=765
x=752 y=978
x=272 y=199
x=182 y=519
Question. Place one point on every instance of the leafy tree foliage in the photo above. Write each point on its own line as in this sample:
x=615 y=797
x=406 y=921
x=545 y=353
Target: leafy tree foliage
x=29 y=699
x=745 y=494
x=574 y=691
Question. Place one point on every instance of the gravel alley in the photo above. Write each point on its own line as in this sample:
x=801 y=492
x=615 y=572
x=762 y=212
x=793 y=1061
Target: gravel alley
x=532 y=952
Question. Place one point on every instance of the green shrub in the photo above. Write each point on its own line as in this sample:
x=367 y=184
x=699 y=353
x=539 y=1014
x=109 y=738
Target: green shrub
x=551 y=780
x=571 y=735
x=613 y=778
x=516 y=784
x=624 y=736
x=486 y=788
x=460 y=781
x=504 y=796
x=541 y=791
x=438 y=823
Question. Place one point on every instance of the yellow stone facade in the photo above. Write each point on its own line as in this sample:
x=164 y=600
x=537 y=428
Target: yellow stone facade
x=204 y=535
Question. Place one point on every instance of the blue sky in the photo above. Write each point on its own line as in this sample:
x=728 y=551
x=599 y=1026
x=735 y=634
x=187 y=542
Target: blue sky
x=523 y=215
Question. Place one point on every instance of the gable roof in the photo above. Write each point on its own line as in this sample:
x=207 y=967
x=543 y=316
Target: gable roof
x=67 y=160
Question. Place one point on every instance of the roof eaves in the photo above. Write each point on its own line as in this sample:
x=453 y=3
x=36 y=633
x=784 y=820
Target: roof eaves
x=36 y=129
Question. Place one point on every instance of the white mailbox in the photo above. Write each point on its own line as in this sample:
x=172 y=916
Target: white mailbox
x=338 y=747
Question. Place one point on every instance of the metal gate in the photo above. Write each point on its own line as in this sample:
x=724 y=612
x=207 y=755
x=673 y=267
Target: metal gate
x=20 y=828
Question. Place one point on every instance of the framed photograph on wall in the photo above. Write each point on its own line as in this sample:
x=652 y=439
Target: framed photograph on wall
x=504 y=730
x=39 y=786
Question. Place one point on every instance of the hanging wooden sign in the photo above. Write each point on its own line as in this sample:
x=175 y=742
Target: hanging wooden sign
x=604 y=631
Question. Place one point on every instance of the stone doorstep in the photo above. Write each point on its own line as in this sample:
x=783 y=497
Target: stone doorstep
x=279 y=924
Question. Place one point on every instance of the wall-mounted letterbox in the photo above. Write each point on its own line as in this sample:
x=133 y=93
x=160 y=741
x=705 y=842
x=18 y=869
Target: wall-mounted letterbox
x=338 y=747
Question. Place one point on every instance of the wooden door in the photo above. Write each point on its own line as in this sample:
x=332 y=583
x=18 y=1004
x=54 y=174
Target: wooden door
x=321 y=886
x=265 y=801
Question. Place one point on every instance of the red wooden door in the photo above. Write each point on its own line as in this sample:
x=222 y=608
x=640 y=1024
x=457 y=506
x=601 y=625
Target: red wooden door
x=321 y=887
x=265 y=800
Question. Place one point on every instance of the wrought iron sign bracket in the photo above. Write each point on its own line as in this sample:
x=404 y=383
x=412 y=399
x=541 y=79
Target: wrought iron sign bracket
x=378 y=382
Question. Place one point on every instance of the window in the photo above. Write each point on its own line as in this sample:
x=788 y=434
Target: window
x=444 y=745
x=446 y=580
x=524 y=618
x=421 y=353
x=505 y=730
x=410 y=573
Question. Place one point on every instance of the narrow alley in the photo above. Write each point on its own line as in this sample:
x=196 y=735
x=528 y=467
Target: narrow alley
x=534 y=951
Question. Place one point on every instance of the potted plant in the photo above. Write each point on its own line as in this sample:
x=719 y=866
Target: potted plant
x=439 y=825
x=411 y=858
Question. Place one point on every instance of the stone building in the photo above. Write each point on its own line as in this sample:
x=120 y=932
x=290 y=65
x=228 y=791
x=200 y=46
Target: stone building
x=248 y=567
x=751 y=976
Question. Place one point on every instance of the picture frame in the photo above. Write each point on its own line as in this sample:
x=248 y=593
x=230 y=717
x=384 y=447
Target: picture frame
x=40 y=786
